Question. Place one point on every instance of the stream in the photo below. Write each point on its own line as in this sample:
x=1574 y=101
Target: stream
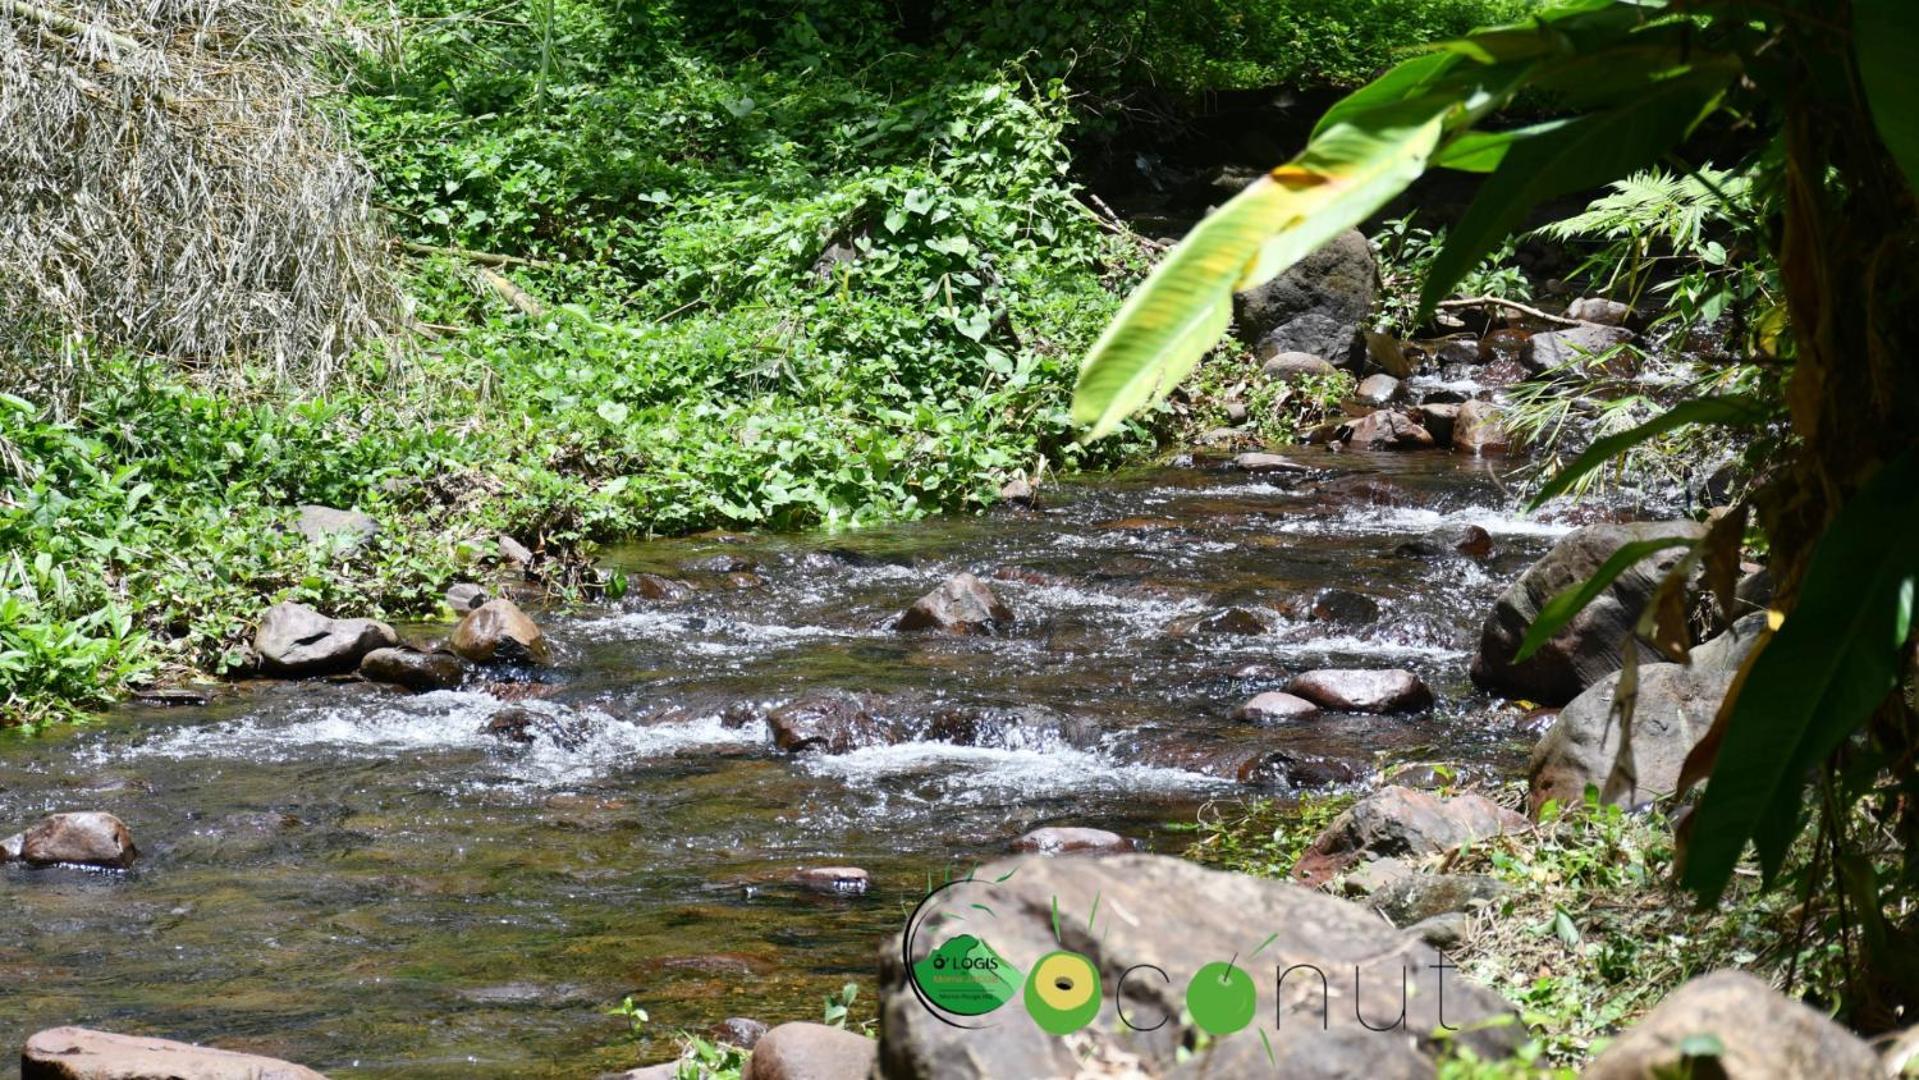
x=365 y=881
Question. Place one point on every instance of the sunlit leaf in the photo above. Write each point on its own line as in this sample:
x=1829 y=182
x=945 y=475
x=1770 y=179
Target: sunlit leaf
x=1821 y=676
x=1184 y=306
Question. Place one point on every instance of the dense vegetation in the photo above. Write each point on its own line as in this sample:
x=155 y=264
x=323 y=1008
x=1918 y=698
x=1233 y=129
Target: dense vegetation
x=804 y=265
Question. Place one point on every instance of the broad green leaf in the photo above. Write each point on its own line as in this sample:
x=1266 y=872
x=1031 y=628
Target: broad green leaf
x=1885 y=39
x=1482 y=151
x=1731 y=409
x=1588 y=152
x=1561 y=609
x=1184 y=306
x=1402 y=82
x=1820 y=677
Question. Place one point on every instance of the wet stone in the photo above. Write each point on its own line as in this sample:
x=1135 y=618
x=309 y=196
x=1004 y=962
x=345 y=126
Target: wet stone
x=1275 y=707
x=465 y=597
x=962 y=605
x=1071 y=840
x=86 y=838
x=835 y=880
x=1363 y=690
x=658 y=587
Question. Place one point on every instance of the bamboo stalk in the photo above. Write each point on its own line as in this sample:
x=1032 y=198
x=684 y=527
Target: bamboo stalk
x=1481 y=301
x=484 y=258
x=54 y=20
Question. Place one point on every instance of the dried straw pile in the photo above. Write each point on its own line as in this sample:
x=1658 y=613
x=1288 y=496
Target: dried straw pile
x=169 y=185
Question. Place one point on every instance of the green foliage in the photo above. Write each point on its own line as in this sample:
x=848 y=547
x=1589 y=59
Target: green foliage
x=1695 y=241
x=1117 y=48
x=1406 y=255
x=1262 y=837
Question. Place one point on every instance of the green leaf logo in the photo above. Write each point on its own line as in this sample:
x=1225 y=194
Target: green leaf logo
x=966 y=977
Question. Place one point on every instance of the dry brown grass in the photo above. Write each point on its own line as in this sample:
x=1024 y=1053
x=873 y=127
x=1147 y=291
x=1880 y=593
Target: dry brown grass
x=170 y=185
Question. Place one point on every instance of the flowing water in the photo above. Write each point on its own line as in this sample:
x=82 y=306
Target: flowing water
x=366 y=882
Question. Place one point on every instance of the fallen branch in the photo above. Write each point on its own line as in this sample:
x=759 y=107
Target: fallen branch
x=484 y=258
x=1110 y=221
x=1482 y=301
x=54 y=20
x=525 y=301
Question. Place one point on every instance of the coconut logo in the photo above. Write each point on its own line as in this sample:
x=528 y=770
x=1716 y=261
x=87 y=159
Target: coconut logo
x=962 y=978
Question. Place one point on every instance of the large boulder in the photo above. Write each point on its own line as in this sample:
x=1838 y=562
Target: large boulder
x=1363 y=690
x=499 y=632
x=1731 y=1024
x=1400 y=822
x=1317 y=307
x=1674 y=710
x=294 y=639
x=1154 y=922
x=800 y=1051
x=962 y=605
x=73 y=1053
x=1592 y=645
x=1558 y=348
x=88 y=838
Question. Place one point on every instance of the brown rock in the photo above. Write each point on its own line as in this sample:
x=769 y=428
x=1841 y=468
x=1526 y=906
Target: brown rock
x=1402 y=822
x=499 y=632
x=419 y=671
x=1674 y=710
x=1386 y=430
x=1017 y=491
x=1478 y=430
x=87 y=838
x=1594 y=309
x=1439 y=419
x=1275 y=707
x=963 y=605
x=1590 y=647
x=1363 y=690
x=658 y=587
x=1072 y=840
x=832 y=723
x=1760 y=1035
x=72 y=1053
x=1294 y=366
x=811 y=1052
x=293 y=639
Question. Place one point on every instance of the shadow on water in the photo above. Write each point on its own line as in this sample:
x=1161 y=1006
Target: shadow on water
x=364 y=881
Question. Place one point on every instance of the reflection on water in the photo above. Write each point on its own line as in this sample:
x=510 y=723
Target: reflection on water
x=367 y=882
